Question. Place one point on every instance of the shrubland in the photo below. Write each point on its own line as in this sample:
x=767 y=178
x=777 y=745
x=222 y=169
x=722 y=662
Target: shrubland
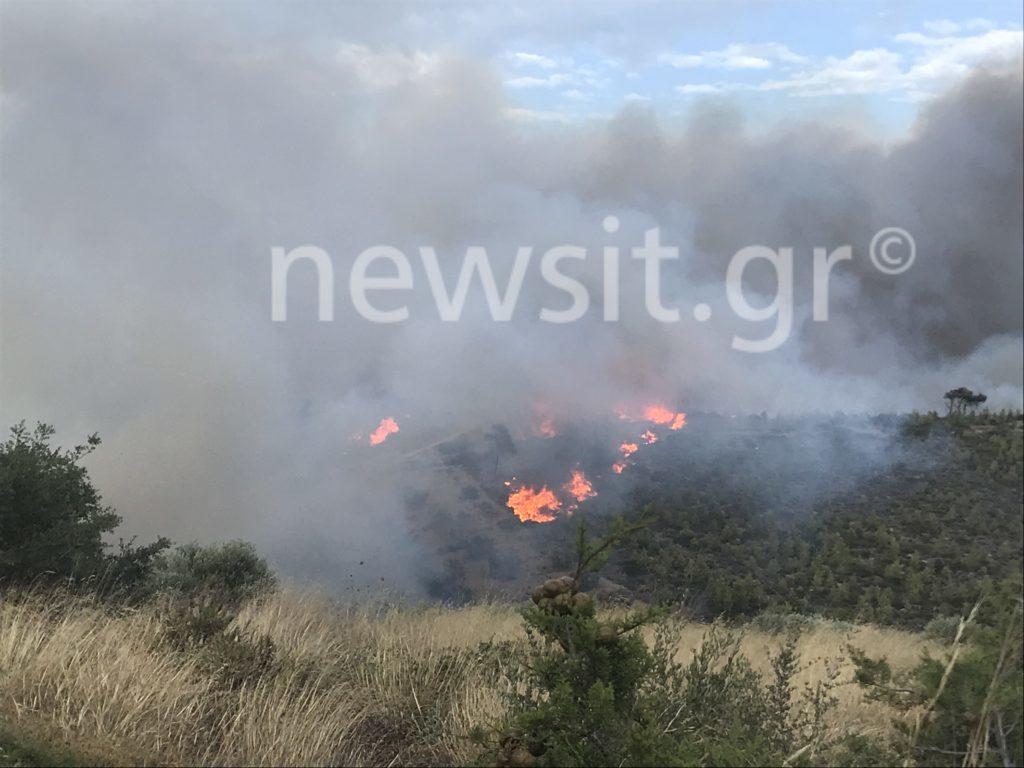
x=920 y=530
x=198 y=655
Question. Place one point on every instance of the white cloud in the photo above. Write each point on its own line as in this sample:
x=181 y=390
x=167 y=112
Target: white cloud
x=867 y=71
x=551 y=81
x=691 y=88
x=947 y=27
x=576 y=95
x=682 y=61
x=735 y=56
x=636 y=97
x=580 y=77
x=523 y=59
x=942 y=27
x=931 y=63
x=946 y=58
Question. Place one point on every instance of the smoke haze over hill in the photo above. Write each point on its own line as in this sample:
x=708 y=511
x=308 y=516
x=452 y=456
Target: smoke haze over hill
x=152 y=156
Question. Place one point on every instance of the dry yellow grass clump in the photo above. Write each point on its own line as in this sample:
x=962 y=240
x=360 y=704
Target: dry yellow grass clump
x=371 y=685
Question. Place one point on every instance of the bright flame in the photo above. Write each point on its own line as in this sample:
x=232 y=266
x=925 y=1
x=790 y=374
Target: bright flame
x=386 y=428
x=649 y=437
x=627 y=450
x=579 y=487
x=659 y=414
x=528 y=504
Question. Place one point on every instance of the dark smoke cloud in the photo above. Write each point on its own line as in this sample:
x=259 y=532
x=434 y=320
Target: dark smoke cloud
x=152 y=155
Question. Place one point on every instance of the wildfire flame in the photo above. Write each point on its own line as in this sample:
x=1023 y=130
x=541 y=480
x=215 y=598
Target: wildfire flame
x=579 y=487
x=533 y=505
x=659 y=414
x=656 y=414
x=627 y=450
x=541 y=505
x=387 y=427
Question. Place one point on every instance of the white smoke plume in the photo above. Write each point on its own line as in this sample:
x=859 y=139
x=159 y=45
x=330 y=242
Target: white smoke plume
x=153 y=155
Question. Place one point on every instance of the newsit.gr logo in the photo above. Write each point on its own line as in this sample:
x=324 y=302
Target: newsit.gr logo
x=385 y=268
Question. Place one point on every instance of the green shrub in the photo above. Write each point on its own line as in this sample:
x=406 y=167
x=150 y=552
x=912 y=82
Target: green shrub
x=942 y=629
x=234 y=659
x=779 y=623
x=967 y=705
x=224 y=575
x=586 y=692
x=859 y=751
x=590 y=691
x=189 y=622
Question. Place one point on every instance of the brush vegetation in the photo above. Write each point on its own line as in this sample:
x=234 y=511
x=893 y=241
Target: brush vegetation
x=197 y=655
x=294 y=679
x=920 y=530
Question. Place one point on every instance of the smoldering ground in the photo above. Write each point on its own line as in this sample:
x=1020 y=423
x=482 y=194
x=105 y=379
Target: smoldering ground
x=153 y=155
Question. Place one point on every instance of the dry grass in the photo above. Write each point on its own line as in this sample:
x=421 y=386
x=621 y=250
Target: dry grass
x=370 y=685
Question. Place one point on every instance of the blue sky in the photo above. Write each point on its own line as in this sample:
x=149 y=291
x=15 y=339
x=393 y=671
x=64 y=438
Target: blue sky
x=809 y=59
x=870 y=64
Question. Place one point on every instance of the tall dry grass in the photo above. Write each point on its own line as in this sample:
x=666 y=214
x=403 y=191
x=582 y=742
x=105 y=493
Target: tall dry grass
x=369 y=685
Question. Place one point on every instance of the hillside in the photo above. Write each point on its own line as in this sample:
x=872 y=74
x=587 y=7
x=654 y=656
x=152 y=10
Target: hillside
x=195 y=654
x=889 y=519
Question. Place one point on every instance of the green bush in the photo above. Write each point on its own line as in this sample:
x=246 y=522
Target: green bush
x=53 y=520
x=859 y=751
x=967 y=705
x=589 y=691
x=192 y=622
x=779 y=623
x=234 y=659
x=224 y=575
x=942 y=629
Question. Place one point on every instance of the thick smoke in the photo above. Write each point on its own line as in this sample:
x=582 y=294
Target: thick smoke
x=153 y=155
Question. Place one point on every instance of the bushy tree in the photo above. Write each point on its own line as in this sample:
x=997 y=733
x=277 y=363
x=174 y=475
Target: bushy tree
x=52 y=519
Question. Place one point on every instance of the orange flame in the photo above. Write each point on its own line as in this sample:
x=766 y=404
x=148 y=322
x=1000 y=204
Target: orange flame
x=627 y=450
x=659 y=414
x=529 y=504
x=579 y=487
x=386 y=428
x=649 y=437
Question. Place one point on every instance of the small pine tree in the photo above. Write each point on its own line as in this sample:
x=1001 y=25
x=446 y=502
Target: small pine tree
x=587 y=690
x=590 y=691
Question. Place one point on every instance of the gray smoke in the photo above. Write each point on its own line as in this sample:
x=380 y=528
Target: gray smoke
x=152 y=155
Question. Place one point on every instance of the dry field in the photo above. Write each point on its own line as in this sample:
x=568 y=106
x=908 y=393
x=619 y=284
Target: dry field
x=365 y=685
